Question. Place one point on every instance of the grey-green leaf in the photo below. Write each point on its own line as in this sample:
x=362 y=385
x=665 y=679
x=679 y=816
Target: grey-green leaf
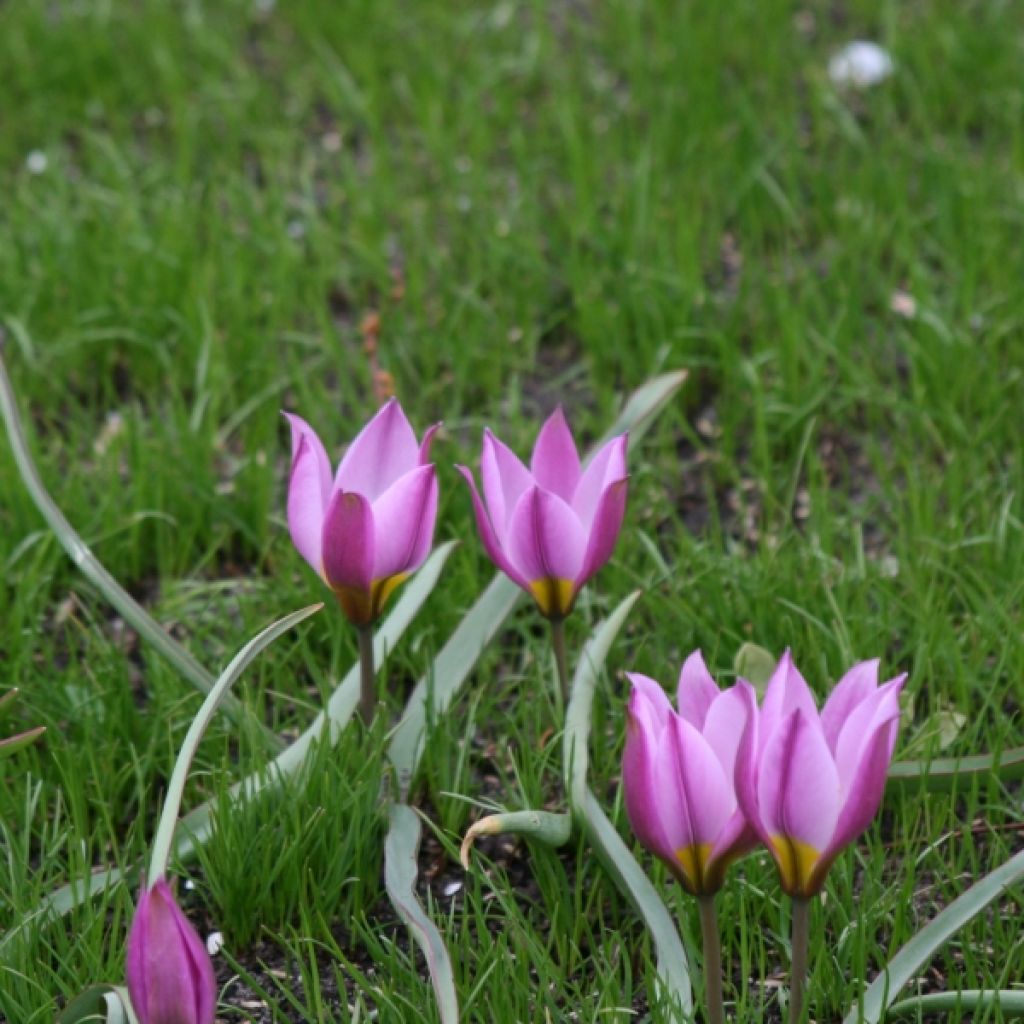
x=400 y=870
x=1010 y=1003
x=755 y=664
x=922 y=946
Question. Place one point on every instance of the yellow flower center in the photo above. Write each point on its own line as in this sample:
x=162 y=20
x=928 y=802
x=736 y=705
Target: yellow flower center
x=554 y=597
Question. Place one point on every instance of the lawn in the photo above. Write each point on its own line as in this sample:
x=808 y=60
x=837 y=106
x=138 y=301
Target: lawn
x=213 y=212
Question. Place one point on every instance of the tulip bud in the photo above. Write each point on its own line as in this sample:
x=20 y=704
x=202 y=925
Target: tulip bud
x=677 y=774
x=550 y=528
x=170 y=977
x=810 y=783
x=371 y=526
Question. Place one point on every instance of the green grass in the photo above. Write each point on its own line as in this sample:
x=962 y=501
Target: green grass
x=545 y=202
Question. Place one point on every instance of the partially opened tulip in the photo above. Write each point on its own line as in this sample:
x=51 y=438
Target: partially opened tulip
x=368 y=527
x=810 y=783
x=677 y=777
x=550 y=528
x=170 y=977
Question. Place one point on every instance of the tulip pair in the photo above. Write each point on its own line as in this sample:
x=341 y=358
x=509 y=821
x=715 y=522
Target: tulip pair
x=170 y=977
x=370 y=525
x=704 y=784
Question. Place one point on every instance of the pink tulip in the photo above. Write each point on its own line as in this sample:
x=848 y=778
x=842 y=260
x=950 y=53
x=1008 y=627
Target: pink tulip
x=552 y=526
x=170 y=977
x=810 y=783
x=371 y=526
x=677 y=774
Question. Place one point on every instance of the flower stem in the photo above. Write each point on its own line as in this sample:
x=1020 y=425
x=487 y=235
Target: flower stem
x=798 y=968
x=367 y=683
x=712 y=960
x=558 y=644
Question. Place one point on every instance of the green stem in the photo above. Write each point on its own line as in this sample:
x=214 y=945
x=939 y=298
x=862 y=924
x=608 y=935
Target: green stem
x=558 y=644
x=712 y=960
x=367 y=676
x=798 y=969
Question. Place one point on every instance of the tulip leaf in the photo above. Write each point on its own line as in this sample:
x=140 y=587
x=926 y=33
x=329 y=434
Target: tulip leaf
x=90 y=566
x=100 y=1004
x=161 y=850
x=12 y=744
x=551 y=829
x=673 y=971
x=1009 y=1002
x=196 y=827
x=400 y=868
x=943 y=773
x=922 y=946
x=755 y=664
x=642 y=407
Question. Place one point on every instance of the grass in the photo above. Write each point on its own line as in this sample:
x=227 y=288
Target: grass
x=545 y=203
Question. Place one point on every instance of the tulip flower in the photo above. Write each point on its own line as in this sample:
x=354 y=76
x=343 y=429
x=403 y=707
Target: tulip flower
x=810 y=783
x=170 y=977
x=677 y=774
x=550 y=528
x=677 y=777
x=371 y=526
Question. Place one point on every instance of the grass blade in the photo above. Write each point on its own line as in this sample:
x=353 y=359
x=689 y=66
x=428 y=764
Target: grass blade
x=90 y=566
x=161 y=850
x=922 y=946
x=1010 y=1002
x=400 y=871
x=615 y=855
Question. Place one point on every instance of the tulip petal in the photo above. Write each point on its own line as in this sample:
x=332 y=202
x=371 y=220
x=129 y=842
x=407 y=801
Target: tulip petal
x=555 y=464
x=696 y=690
x=798 y=797
x=723 y=726
x=745 y=772
x=504 y=479
x=487 y=533
x=865 y=794
x=607 y=466
x=787 y=691
x=403 y=523
x=650 y=785
x=384 y=450
x=655 y=704
x=545 y=539
x=864 y=719
x=855 y=686
x=736 y=838
x=604 y=531
x=309 y=487
x=348 y=542
x=428 y=440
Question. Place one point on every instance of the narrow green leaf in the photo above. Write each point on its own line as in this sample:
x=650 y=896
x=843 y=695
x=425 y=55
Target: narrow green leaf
x=551 y=829
x=195 y=828
x=673 y=971
x=943 y=773
x=8 y=698
x=401 y=847
x=12 y=744
x=1009 y=1001
x=161 y=850
x=131 y=611
x=932 y=937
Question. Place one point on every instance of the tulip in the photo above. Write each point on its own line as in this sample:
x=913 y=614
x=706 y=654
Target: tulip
x=550 y=528
x=370 y=527
x=170 y=977
x=677 y=774
x=810 y=783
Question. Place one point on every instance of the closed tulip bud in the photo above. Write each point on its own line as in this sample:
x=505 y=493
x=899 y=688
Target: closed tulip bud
x=170 y=977
x=550 y=528
x=809 y=782
x=371 y=525
x=678 y=770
